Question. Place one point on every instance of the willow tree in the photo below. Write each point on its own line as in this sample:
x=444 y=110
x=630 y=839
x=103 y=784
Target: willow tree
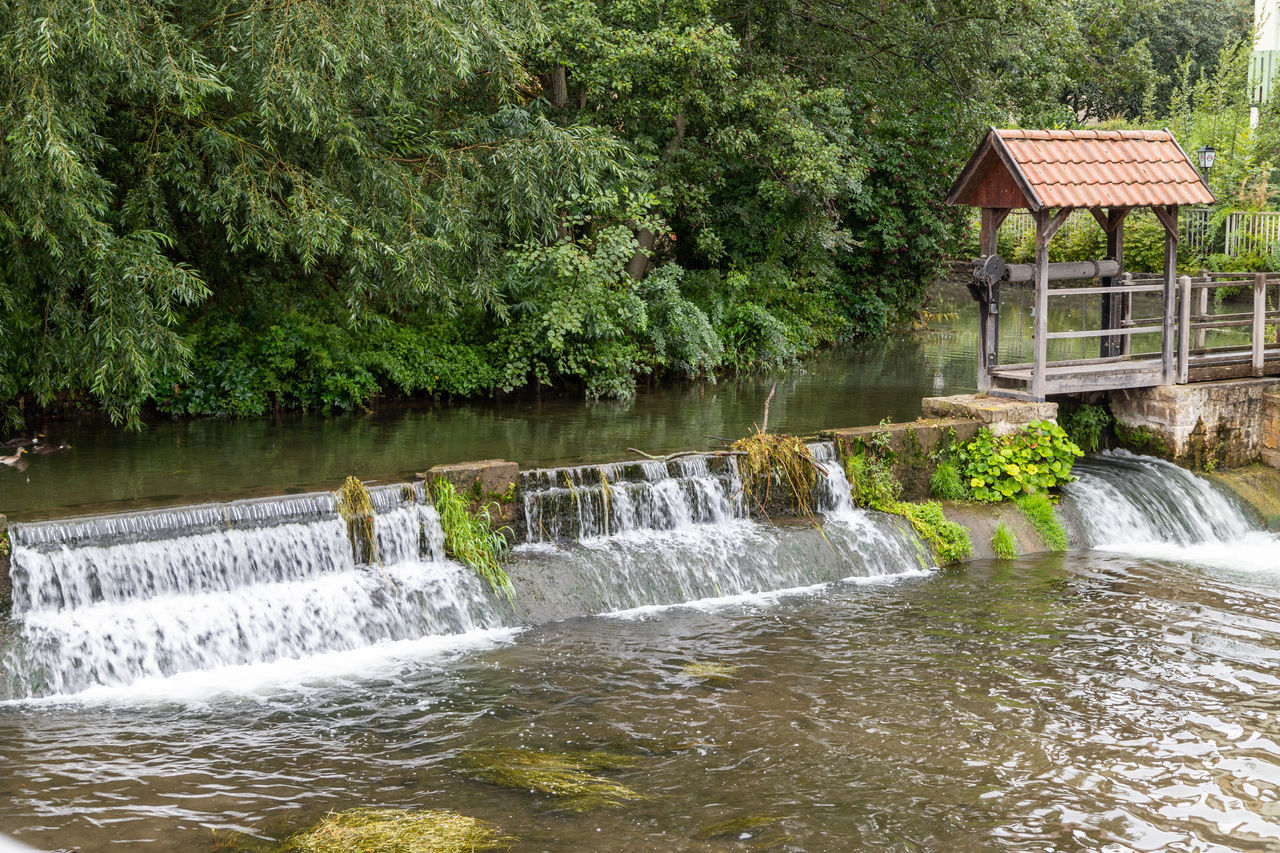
x=154 y=151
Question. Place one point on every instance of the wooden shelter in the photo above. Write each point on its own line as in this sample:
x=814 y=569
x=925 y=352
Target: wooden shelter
x=1052 y=173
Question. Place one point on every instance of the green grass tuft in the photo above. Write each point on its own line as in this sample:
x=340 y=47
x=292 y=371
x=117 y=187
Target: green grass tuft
x=1039 y=510
x=398 y=831
x=946 y=484
x=950 y=541
x=471 y=538
x=1002 y=542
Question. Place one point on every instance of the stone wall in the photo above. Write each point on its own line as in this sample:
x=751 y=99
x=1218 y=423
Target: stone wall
x=6 y=586
x=1200 y=426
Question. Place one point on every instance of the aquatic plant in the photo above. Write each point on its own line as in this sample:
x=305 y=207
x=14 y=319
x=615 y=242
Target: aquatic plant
x=1002 y=542
x=1036 y=458
x=751 y=829
x=471 y=537
x=356 y=509
x=1086 y=425
x=766 y=460
x=398 y=831
x=1039 y=510
x=945 y=482
x=871 y=480
x=567 y=776
x=709 y=672
x=1140 y=439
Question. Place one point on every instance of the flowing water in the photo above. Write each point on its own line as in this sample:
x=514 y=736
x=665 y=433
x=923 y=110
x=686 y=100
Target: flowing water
x=176 y=676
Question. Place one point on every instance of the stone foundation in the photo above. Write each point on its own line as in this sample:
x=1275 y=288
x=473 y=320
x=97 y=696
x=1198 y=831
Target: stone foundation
x=1001 y=415
x=486 y=481
x=6 y=586
x=913 y=445
x=1203 y=425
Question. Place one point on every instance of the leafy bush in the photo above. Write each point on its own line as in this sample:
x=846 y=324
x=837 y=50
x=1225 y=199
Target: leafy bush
x=1086 y=425
x=1034 y=459
x=1039 y=510
x=1002 y=542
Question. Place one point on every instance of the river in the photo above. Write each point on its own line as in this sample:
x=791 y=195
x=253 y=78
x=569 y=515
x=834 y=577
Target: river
x=184 y=679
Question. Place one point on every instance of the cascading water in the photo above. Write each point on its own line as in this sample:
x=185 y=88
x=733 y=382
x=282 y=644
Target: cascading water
x=1141 y=505
x=109 y=601
x=658 y=533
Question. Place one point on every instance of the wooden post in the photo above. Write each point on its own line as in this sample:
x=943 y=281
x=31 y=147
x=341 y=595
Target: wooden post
x=1126 y=314
x=1112 y=304
x=1202 y=309
x=1184 y=328
x=1169 y=217
x=988 y=319
x=1259 y=321
x=1046 y=227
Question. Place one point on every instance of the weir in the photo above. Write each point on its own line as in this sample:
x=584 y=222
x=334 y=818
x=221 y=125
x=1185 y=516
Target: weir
x=111 y=601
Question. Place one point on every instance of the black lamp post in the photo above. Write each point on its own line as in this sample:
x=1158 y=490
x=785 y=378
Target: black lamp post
x=1206 y=155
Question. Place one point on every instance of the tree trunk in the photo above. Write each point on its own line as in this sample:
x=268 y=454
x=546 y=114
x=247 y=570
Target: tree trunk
x=639 y=263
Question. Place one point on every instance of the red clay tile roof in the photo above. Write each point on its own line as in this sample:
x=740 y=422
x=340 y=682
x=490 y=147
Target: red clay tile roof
x=1079 y=168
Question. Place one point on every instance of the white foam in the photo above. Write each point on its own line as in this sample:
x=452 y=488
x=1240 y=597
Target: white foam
x=284 y=675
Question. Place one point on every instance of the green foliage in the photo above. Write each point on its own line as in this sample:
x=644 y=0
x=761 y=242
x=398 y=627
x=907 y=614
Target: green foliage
x=1039 y=510
x=471 y=538
x=1086 y=425
x=1036 y=458
x=945 y=482
x=355 y=507
x=950 y=541
x=771 y=460
x=398 y=831
x=1002 y=542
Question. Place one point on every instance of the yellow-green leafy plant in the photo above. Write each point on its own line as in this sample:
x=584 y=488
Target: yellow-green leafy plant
x=471 y=538
x=1036 y=458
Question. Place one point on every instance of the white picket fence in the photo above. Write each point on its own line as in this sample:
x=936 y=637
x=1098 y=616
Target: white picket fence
x=1246 y=232
x=1256 y=232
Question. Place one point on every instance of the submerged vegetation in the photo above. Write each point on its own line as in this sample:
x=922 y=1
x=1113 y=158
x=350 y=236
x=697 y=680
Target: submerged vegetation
x=398 y=831
x=566 y=776
x=712 y=673
x=470 y=537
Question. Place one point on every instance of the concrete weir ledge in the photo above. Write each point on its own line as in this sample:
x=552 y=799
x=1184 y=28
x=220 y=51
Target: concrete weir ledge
x=1230 y=428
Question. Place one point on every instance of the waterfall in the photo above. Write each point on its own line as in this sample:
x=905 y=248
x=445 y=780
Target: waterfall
x=108 y=601
x=1141 y=505
x=117 y=600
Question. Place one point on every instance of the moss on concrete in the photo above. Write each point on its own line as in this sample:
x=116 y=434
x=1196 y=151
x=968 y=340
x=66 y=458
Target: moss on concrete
x=1258 y=487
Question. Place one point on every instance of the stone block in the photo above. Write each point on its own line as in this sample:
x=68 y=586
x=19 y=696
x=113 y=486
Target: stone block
x=1001 y=415
x=487 y=476
x=913 y=445
x=1204 y=424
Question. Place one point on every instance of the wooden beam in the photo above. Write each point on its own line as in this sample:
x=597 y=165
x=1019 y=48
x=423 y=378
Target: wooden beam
x=1113 y=307
x=1056 y=222
x=1168 y=216
x=1259 y=321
